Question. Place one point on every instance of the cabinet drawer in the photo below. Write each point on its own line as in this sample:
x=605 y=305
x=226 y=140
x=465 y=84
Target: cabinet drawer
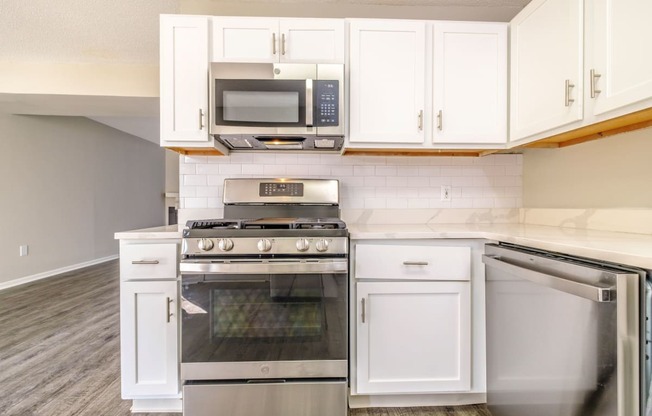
x=148 y=261
x=415 y=262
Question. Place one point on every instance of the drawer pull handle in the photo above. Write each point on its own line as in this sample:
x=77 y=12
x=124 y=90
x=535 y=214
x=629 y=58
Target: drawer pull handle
x=363 y=310
x=169 y=314
x=415 y=263
x=144 y=262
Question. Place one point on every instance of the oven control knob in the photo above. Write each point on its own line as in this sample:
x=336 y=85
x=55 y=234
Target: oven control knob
x=225 y=244
x=264 y=245
x=205 y=244
x=321 y=245
x=303 y=244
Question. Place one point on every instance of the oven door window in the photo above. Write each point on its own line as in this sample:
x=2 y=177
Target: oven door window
x=269 y=103
x=264 y=317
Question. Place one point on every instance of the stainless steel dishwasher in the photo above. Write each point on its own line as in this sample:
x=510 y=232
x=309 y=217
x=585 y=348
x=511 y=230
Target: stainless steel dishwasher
x=566 y=336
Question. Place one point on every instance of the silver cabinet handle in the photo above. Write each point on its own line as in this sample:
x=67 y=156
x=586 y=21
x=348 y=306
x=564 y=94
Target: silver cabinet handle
x=439 y=120
x=144 y=262
x=169 y=314
x=567 y=97
x=363 y=310
x=420 y=120
x=201 y=119
x=309 y=120
x=594 y=80
x=283 y=44
x=273 y=43
x=415 y=263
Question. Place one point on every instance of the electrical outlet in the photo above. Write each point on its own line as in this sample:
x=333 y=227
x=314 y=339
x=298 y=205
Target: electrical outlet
x=24 y=250
x=445 y=193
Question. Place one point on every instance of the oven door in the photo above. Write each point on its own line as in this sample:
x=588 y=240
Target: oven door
x=264 y=320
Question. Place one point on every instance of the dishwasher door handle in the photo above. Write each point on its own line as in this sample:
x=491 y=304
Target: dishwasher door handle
x=583 y=290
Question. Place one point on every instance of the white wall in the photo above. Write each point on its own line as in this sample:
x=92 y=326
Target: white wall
x=67 y=184
x=614 y=172
x=368 y=182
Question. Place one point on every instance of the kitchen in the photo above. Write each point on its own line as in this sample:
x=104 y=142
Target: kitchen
x=375 y=182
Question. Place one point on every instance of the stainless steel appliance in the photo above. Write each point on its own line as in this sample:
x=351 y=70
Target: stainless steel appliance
x=563 y=335
x=264 y=303
x=277 y=106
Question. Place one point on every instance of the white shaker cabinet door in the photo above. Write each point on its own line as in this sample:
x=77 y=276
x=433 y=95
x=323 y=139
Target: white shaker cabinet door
x=470 y=82
x=184 y=80
x=413 y=337
x=546 y=67
x=245 y=39
x=149 y=339
x=387 y=97
x=621 y=66
x=314 y=41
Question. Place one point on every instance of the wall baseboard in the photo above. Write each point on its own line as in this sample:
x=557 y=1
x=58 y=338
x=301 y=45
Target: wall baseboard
x=50 y=273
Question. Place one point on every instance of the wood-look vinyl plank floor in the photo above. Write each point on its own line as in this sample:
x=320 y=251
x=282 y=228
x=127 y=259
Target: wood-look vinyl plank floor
x=60 y=350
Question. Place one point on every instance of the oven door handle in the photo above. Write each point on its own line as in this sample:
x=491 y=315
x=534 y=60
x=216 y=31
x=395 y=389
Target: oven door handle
x=265 y=267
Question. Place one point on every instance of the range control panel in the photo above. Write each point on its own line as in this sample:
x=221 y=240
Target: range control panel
x=280 y=189
x=327 y=98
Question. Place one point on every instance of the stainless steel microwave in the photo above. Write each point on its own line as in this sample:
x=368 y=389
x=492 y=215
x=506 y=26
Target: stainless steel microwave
x=277 y=106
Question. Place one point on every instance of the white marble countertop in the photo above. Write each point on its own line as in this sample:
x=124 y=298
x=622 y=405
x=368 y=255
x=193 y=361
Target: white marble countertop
x=626 y=248
x=154 y=233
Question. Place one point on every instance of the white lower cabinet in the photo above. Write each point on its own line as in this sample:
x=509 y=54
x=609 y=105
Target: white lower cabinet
x=149 y=324
x=413 y=337
x=149 y=334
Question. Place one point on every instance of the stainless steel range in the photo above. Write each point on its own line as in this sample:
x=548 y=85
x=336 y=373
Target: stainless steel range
x=264 y=303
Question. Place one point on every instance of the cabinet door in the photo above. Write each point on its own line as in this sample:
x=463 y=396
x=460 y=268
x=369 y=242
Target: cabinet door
x=184 y=79
x=546 y=66
x=619 y=58
x=470 y=82
x=413 y=337
x=149 y=339
x=387 y=81
x=312 y=40
x=243 y=39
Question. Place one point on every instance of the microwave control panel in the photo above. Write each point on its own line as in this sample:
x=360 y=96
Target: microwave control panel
x=327 y=98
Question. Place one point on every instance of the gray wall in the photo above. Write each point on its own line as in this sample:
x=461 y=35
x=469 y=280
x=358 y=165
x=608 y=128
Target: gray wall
x=67 y=184
x=615 y=172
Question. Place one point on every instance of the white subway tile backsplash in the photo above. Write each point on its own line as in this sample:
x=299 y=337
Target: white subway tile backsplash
x=274 y=170
x=194 y=180
x=375 y=181
x=196 y=203
x=385 y=170
x=209 y=169
x=367 y=182
x=418 y=181
x=232 y=169
x=364 y=170
x=252 y=169
x=396 y=181
x=407 y=171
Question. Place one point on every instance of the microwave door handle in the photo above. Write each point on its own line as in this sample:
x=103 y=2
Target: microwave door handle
x=309 y=116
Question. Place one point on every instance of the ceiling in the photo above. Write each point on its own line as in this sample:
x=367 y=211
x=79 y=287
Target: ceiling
x=126 y=31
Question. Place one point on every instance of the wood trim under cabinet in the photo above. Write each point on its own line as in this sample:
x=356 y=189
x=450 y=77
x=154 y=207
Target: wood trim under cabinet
x=196 y=151
x=622 y=124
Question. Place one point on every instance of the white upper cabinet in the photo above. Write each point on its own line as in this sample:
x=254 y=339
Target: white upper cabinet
x=470 y=82
x=184 y=80
x=546 y=66
x=619 y=69
x=387 y=73
x=270 y=40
